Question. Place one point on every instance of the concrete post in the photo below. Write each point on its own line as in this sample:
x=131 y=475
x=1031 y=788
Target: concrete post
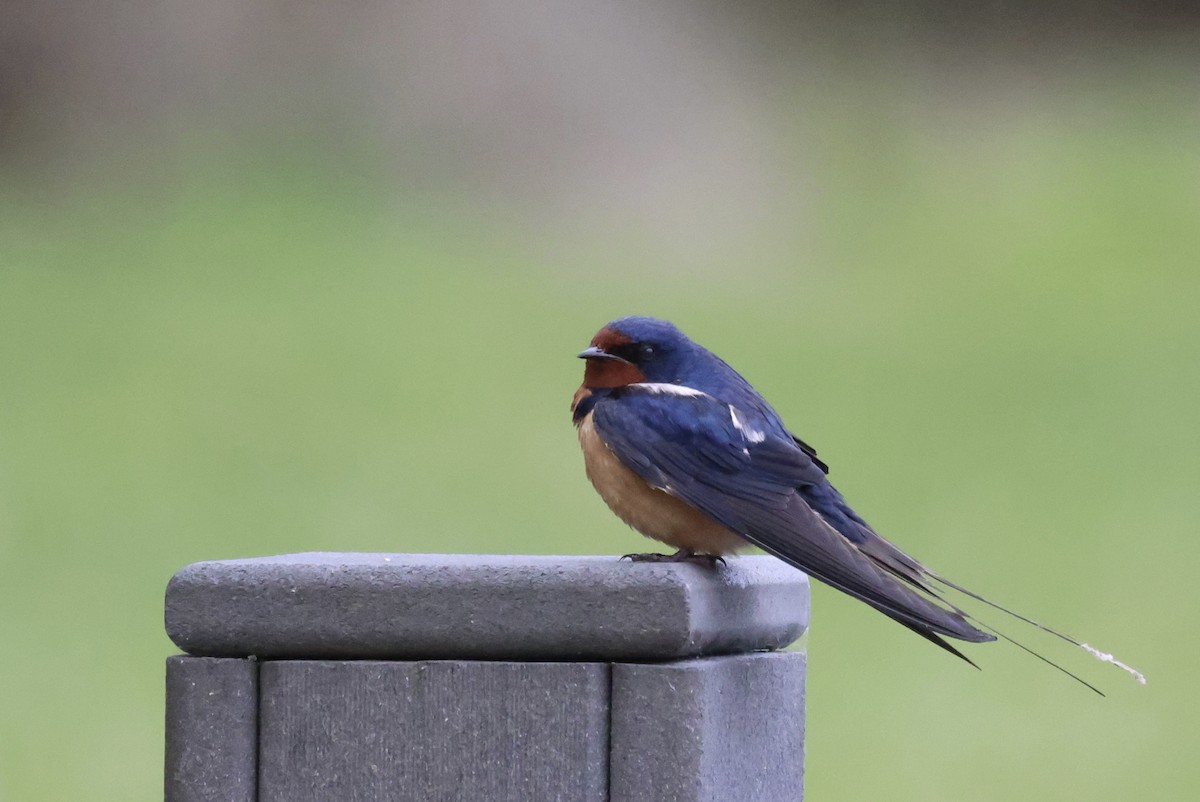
x=492 y=678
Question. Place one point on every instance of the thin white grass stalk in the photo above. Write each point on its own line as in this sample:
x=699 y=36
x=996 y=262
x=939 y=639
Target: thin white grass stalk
x=1105 y=657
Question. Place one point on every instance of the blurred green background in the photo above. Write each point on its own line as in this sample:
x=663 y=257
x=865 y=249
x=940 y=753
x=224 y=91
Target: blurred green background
x=283 y=277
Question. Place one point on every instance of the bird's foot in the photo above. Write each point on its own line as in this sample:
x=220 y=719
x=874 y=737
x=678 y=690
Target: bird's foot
x=681 y=556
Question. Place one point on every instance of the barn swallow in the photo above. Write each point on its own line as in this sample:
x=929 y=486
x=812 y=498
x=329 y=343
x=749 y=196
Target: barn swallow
x=687 y=452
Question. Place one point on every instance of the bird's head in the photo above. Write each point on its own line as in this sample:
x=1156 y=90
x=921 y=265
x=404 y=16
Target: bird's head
x=636 y=349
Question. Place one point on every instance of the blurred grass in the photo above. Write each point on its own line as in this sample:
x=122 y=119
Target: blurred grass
x=987 y=326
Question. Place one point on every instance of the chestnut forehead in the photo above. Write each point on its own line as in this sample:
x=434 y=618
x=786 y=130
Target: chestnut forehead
x=608 y=339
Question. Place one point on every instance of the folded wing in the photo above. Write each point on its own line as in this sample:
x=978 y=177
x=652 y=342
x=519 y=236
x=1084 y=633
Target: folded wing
x=771 y=491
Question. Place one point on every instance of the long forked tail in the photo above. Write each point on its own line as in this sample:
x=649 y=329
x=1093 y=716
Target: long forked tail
x=1103 y=657
x=874 y=571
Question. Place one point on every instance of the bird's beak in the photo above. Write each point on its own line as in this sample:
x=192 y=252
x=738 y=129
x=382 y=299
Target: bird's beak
x=594 y=352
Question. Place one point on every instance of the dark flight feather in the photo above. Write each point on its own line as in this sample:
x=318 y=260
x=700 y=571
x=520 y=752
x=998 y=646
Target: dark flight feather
x=756 y=487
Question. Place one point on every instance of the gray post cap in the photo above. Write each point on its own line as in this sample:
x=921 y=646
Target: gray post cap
x=482 y=607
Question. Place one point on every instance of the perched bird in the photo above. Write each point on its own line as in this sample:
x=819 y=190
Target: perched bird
x=685 y=451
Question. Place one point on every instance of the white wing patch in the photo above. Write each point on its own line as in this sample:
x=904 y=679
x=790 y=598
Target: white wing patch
x=662 y=388
x=751 y=435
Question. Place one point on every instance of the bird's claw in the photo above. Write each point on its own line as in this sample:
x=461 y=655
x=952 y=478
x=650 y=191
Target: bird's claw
x=681 y=556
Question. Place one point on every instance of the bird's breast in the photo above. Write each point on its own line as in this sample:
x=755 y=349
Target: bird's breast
x=653 y=512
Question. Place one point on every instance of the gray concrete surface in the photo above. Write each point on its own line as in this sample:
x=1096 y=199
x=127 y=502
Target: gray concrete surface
x=580 y=685
x=482 y=607
x=716 y=729
x=343 y=731
x=212 y=730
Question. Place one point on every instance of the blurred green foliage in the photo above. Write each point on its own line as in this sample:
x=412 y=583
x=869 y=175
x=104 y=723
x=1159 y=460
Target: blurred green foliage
x=995 y=346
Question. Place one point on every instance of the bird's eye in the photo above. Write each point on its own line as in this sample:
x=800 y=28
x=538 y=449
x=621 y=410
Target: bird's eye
x=635 y=353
